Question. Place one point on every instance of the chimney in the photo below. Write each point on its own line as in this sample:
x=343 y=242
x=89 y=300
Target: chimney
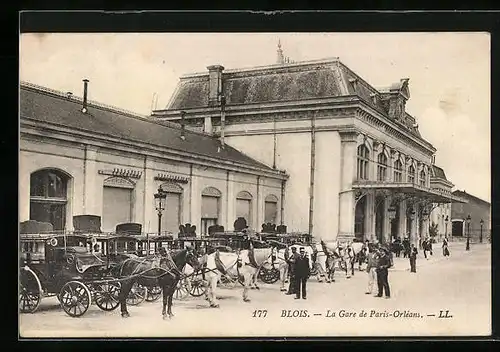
x=215 y=84
x=85 y=84
x=183 y=126
x=222 y=118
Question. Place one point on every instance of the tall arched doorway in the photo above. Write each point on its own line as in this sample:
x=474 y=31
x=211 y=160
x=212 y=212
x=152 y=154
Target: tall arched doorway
x=359 y=219
x=49 y=197
x=210 y=208
x=379 y=218
x=395 y=221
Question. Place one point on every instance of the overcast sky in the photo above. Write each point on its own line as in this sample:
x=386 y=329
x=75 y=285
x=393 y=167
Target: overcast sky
x=449 y=76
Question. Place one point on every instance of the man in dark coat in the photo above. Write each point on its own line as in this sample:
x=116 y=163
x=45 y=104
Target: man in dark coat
x=302 y=272
x=384 y=262
x=291 y=270
x=406 y=248
x=413 y=260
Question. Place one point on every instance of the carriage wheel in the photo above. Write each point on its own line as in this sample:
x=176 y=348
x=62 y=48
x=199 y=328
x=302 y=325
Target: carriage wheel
x=153 y=294
x=75 y=298
x=269 y=276
x=137 y=295
x=106 y=296
x=226 y=282
x=29 y=293
x=181 y=290
x=198 y=287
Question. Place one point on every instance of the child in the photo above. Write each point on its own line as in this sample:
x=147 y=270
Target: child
x=413 y=260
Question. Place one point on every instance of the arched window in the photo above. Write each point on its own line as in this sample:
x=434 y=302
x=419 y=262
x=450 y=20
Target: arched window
x=411 y=174
x=381 y=167
x=363 y=160
x=244 y=207
x=398 y=171
x=422 y=177
x=210 y=208
x=48 y=197
x=270 y=209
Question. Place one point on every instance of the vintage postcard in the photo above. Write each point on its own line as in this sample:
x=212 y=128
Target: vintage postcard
x=254 y=185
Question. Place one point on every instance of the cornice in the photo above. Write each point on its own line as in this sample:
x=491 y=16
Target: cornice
x=140 y=148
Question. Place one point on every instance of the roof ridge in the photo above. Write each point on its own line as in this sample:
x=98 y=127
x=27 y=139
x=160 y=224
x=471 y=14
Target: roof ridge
x=264 y=67
x=471 y=195
x=108 y=107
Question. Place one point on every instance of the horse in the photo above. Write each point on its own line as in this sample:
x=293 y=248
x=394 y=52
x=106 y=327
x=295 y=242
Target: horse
x=279 y=258
x=321 y=263
x=338 y=256
x=217 y=264
x=164 y=271
x=359 y=256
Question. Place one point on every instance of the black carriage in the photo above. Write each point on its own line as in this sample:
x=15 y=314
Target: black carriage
x=65 y=266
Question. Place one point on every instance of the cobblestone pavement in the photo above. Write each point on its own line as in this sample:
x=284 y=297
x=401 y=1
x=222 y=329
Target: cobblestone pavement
x=460 y=284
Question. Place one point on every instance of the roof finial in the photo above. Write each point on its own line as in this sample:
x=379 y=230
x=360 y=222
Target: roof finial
x=281 y=59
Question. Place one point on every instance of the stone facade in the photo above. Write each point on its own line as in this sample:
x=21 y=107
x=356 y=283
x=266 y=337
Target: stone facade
x=325 y=130
x=90 y=162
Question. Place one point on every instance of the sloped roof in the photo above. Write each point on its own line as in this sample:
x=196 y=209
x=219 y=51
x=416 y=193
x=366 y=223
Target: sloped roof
x=469 y=196
x=280 y=83
x=438 y=172
x=53 y=107
x=285 y=82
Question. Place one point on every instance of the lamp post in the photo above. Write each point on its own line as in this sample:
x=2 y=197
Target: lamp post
x=467 y=246
x=160 y=202
x=481 y=233
x=446 y=227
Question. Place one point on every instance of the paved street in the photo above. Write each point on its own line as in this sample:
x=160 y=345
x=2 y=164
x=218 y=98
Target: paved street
x=460 y=284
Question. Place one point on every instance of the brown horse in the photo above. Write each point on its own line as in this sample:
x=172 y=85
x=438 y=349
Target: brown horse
x=164 y=271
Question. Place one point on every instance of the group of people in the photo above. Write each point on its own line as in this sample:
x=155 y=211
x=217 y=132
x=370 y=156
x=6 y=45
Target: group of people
x=299 y=270
x=378 y=263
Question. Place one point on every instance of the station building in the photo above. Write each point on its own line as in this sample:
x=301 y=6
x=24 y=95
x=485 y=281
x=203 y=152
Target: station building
x=84 y=158
x=358 y=165
x=478 y=210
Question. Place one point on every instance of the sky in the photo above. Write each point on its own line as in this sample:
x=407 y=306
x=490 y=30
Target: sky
x=449 y=76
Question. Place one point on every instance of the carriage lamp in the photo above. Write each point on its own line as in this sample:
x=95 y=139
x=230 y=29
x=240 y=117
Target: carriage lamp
x=467 y=246
x=481 y=223
x=160 y=204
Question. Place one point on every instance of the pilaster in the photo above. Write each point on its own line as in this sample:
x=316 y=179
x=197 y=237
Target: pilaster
x=92 y=203
x=230 y=209
x=348 y=145
x=195 y=203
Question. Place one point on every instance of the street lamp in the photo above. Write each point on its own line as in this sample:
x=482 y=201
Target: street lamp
x=467 y=246
x=446 y=227
x=160 y=203
x=481 y=233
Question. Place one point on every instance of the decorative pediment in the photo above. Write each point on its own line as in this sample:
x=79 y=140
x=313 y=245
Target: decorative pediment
x=172 y=178
x=211 y=192
x=244 y=195
x=271 y=198
x=128 y=173
x=171 y=187
x=120 y=182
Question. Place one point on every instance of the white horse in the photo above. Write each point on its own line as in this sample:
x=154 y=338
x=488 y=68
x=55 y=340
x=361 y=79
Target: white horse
x=242 y=266
x=280 y=257
x=321 y=263
x=339 y=256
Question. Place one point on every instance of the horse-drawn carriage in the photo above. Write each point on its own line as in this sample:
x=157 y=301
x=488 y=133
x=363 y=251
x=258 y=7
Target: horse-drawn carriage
x=65 y=266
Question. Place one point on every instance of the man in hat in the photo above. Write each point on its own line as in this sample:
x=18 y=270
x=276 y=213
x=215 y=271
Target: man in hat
x=291 y=269
x=302 y=272
x=384 y=263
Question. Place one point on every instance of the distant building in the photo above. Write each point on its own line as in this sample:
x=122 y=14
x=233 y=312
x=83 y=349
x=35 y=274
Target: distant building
x=358 y=166
x=85 y=158
x=478 y=209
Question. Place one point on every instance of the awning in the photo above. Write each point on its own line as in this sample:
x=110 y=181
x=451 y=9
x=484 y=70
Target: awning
x=433 y=195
